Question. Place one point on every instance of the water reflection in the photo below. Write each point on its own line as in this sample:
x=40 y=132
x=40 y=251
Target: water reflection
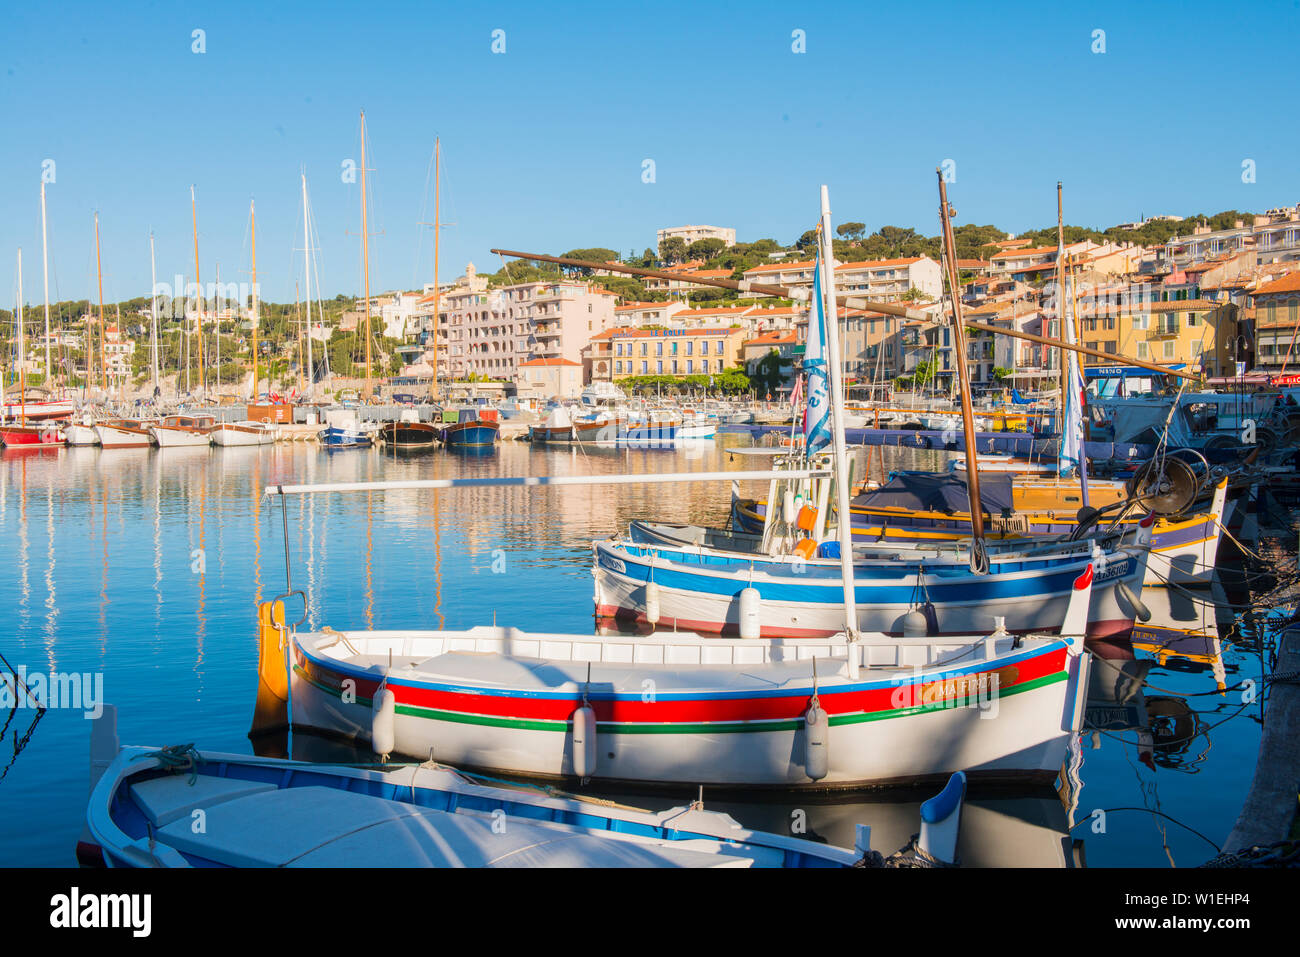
x=104 y=578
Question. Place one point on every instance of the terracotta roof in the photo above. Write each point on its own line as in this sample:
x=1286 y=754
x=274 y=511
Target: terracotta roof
x=611 y=333
x=551 y=362
x=1288 y=283
x=781 y=267
x=773 y=338
x=879 y=263
x=1021 y=253
x=720 y=311
x=668 y=334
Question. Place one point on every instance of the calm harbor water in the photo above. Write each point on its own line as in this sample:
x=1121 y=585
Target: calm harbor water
x=144 y=567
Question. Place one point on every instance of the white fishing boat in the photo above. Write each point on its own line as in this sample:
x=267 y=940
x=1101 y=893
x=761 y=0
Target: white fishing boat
x=243 y=433
x=266 y=812
x=680 y=708
x=81 y=432
x=125 y=433
x=183 y=431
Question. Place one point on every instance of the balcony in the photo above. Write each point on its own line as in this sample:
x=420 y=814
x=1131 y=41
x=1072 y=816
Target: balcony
x=1167 y=329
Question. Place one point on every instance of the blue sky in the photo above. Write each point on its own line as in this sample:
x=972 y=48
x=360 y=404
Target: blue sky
x=543 y=145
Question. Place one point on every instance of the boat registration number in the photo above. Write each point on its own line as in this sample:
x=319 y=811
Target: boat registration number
x=1114 y=569
x=613 y=564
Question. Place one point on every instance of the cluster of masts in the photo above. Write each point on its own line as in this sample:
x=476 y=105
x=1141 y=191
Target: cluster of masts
x=97 y=366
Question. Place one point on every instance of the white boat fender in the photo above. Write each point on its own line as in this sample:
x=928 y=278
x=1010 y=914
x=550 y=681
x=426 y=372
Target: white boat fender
x=941 y=820
x=791 y=510
x=751 y=611
x=584 y=736
x=383 y=722
x=1141 y=610
x=816 y=728
x=915 y=624
x=652 y=595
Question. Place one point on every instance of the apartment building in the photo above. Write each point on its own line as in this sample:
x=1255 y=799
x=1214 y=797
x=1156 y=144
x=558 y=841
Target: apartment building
x=1277 y=320
x=684 y=279
x=490 y=333
x=647 y=313
x=542 y=378
x=691 y=234
x=889 y=279
x=1191 y=332
x=1271 y=238
x=678 y=352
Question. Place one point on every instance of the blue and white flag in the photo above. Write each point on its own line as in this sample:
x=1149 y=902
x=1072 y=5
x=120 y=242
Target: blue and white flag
x=817 y=416
x=1072 y=416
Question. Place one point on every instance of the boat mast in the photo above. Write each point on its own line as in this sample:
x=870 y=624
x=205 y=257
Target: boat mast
x=963 y=373
x=99 y=277
x=306 y=258
x=22 y=359
x=365 y=252
x=1060 y=306
x=45 y=263
x=252 y=218
x=216 y=323
x=836 y=369
x=437 y=236
x=153 y=313
x=297 y=338
x=194 y=216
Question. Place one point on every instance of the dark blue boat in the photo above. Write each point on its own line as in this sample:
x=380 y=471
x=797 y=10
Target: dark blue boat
x=472 y=430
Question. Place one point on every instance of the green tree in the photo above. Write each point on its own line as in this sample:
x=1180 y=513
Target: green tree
x=705 y=249
x=851 y=230
x=672 y=250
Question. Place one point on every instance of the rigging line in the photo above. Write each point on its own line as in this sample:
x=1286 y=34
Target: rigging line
x=1111 y=810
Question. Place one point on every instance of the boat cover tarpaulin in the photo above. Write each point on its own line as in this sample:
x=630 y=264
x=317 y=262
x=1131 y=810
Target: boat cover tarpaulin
x=945 y=492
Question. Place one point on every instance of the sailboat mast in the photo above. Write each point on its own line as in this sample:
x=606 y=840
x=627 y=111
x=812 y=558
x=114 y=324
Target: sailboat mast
x=99 y=277
x=1060 y=303
x=835 y=364
x=153 y=313
x=437 y=236
x=306 y=258
x=216 y=328
x=45 y=263
x=365 y=251
x=198 y=282
x=963 y=371
x=252 y=218
x=22 y=359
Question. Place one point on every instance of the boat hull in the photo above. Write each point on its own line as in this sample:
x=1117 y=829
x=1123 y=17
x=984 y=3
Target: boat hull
x=169 y=438
x=115 y=437
x=410 y=434
x=476 y=434
x=807 y=600
x=714 y=726
x=32 y=435
x=81 y=435
x=232 y=436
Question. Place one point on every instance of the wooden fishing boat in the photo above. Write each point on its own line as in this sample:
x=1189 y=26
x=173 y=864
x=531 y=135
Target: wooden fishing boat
x=933 y=507
x=37 y=408
x=81 y=432
x=679 y=708
x=354 y=435
x=471 y=428
x=410 y=435
x=266 y=812
x=183 y=430
x=125 y=433
x=48 y=433
x=243 y=433
x=801 y=595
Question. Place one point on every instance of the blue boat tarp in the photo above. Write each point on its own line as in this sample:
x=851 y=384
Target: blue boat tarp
x=1019 y=399
x=942 y=492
